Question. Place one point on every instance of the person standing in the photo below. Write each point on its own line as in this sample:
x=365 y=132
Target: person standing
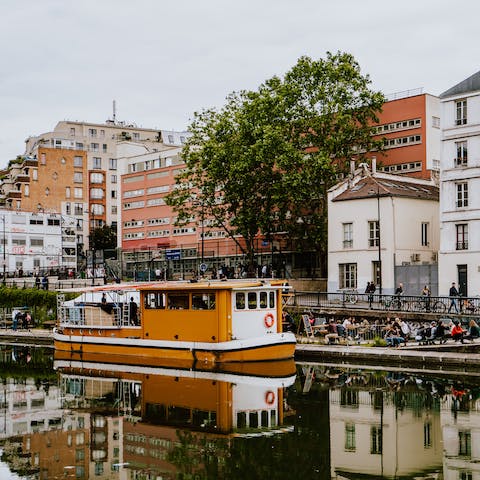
x=426 y=294
x=370 y=290
x=133 y=312
x=453 y=294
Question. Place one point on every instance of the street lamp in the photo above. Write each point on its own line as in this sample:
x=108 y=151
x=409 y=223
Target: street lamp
x=92 y=244
x=4 y=248
x=379 y=267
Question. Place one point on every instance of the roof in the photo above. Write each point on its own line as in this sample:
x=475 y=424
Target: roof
x=179 y=285
x=369 y=186
x=470 y=84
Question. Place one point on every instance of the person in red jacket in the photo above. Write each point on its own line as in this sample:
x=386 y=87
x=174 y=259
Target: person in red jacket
x=457 y=331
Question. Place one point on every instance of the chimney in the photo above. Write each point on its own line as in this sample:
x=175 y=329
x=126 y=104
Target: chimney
x=374 y=165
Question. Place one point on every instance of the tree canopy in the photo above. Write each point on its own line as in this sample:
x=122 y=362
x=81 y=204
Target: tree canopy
x=263 y=162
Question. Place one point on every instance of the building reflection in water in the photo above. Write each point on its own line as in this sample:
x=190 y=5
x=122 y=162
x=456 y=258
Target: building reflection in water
x=399 y=425
x=93 y=420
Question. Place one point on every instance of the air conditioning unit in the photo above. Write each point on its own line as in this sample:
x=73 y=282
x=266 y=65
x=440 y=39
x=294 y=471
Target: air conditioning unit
x=415 y=257
x=435 y=257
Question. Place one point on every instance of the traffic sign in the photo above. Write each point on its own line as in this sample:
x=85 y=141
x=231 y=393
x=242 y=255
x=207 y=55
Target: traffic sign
x=173 y=254
x=203 y=267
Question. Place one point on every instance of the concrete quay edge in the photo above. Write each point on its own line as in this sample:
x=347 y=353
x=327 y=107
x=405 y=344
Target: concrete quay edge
x=453 y=357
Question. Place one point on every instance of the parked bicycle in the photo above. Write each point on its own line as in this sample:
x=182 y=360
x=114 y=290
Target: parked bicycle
x=351 y=296
x=393 y=303
x=429 y=305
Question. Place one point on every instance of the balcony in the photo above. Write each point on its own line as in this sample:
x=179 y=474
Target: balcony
x=14 y=194
x=22 y=177
x=460 y=161
x=462 y=245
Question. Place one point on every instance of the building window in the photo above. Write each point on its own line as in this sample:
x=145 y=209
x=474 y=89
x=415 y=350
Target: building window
x=79 y=146
x=113 y=194
x=78 y=177
x=375 y=439
x=72 y=132
x=347 y=235
x=462 y=158
x=43 y=159
x=78 y=192
x=68 y=208
x=97 y=163
x=96 y=193
x=78 y=209
x=94 y=147
x=427 y=434
x=461 y=112
x=92 y=132
x=26 y=190
x=373 y=234
x=170 y=138
x=376 y=272
x=462 y=194
x=465 y=444
x=350 y=445
x=462 y=236
x=78 y=161
x=436 y=122
x=113 y=178
x=67 y=192
x=466 y=475
x=425 y=234
x=104 y=148
x=34 y=174
x=112 y=163
x=348 y=275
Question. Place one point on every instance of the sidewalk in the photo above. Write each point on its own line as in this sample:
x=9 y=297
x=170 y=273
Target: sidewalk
x=33 y=336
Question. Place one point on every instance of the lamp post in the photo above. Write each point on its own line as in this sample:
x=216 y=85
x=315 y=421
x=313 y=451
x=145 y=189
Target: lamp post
x=4 y=256
x=379 y=267
x=92 y=245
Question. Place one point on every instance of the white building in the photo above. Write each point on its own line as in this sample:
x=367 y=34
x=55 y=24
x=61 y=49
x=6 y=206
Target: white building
x=459 y=259
x=404 y=211
x=36 y=242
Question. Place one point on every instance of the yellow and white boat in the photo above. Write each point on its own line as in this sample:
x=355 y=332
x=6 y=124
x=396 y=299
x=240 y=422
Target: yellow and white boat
x=213 y=323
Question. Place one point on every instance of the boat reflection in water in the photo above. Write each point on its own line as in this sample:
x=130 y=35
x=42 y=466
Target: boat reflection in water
x=166 y=421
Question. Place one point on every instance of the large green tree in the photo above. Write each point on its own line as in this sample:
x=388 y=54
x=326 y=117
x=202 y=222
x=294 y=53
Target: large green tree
x=263 y=162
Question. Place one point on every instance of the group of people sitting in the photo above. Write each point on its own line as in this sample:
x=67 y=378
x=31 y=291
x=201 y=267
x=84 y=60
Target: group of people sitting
x=395 y=332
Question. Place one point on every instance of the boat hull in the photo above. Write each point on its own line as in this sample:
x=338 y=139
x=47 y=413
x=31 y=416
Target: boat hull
x=138 y=351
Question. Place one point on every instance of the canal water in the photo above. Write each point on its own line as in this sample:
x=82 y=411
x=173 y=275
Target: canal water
x=77 y=418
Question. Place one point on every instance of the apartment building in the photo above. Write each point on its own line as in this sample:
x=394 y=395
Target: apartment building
x=409 y=125
x=460 y=187
x=37 y=242
x=368 y=237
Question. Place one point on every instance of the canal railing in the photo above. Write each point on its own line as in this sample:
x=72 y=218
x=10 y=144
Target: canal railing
x=352 y=300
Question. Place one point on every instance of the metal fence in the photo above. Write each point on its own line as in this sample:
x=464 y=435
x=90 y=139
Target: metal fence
x=396 y=303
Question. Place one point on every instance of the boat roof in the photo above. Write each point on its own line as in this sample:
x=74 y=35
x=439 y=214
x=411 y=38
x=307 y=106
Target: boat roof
x=182 y=285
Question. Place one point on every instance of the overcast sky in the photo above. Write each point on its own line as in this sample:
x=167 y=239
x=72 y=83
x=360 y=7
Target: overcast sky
x=161 y=61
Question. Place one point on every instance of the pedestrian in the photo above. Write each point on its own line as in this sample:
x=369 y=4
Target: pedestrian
x=453 y=294
x=398 y=293
x=45 y=282
x=133 y=312
x=37 y=281
x=370 y=290
x=426 y=293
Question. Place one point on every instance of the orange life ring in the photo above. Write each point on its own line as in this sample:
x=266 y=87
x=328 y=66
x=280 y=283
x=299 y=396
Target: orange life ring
x=269 y=320
x=269 y=397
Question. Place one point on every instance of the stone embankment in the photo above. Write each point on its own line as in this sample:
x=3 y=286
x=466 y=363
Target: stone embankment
x=462 y=358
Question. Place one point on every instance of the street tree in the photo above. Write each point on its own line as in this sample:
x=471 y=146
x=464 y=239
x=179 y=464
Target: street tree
x=263 y=163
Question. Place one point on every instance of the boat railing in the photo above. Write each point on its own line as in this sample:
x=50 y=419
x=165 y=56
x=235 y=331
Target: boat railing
x=93 y=315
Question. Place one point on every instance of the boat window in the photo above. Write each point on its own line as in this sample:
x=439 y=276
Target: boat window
x=240 y=300
x=177 y=301
x=203 y=301
x=263 y=300
x=272 y=299
x=252 y=300
x=154 y=300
